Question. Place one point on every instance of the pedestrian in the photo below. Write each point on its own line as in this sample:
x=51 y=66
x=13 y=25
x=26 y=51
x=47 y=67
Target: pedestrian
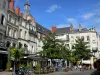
x=97 y=66
x=83 y=68
x=80 y=67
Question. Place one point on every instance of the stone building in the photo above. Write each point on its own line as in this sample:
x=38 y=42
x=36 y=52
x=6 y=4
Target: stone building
x=69 y=35
x=18 y=29
x=3 y=20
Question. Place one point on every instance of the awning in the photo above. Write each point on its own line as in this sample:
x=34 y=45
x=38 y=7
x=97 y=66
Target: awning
x=86 y=61
x=3 y=52
x=34 y=57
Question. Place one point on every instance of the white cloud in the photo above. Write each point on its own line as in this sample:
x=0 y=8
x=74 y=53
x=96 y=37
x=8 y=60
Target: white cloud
x=53 y=8
x=62 y=25
x=71 y=20
x=97 y=20
x=88 y=15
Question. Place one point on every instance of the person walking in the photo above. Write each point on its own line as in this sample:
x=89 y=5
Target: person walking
x=80 y=67
x=97 y=66
x=83 y=68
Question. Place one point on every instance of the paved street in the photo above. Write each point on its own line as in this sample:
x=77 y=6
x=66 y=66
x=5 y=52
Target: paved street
x=71 y=73
x=5 y=73
x=58 y=73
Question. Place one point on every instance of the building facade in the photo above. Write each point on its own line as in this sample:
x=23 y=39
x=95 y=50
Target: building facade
x=18 y=30
x=69 y=35
x=3 y=20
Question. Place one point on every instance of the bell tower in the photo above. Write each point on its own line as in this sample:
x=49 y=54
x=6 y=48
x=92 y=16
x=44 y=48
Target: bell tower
x=26 y=9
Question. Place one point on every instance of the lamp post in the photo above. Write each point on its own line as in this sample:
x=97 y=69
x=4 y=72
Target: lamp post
x=94 y=50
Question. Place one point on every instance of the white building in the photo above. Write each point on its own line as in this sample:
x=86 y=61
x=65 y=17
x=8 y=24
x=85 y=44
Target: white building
x=69 y=35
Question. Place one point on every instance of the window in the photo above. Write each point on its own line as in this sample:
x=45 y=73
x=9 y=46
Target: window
x=30 y=27
x=15 y=21
x=15 y=34
x=33 y=28
x=88 y=38
x=20 y=21
x=1 y=36
x=25 y=24
x=77 y=37
x=4 y=5
x=25 y=35
x=10 y=18
x=9 y=31
x=20 y=33
x=67 y=37
x=14 y=45
x=2 y=19
x=82 y=37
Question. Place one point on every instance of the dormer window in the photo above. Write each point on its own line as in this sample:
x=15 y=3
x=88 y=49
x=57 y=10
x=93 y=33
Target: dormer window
x=33 y=28
x=30 y=27
x=25 y=24
x=10 y=17
x=15 y=21
x=20 y=21
x=4 y=4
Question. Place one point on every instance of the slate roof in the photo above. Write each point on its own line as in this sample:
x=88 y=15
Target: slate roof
x=67 y=30
x=62 y=30
x=41 y=29
x=84 y=30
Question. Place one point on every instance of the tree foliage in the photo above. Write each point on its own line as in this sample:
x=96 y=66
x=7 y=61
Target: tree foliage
x=16 y=53
x=54 y=48
x=81 y=50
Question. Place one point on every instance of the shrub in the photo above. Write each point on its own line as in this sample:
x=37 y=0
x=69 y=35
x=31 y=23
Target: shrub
x=8 y=66
x=38 y=67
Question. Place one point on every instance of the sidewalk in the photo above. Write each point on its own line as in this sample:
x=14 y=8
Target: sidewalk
x=61 y=73
x=5 y=73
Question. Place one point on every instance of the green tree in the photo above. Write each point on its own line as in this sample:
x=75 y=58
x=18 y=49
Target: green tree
x=50 y=46
x=80 y=50
x=16 y=53
x=54 y=48
x=64 y=51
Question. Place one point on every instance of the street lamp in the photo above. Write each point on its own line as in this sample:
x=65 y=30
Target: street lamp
x=94 y=50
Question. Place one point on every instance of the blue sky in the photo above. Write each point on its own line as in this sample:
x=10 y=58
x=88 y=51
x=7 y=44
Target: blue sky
x=62 y=13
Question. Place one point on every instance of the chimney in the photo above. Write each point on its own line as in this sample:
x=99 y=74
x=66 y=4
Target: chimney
x=80 y=27
x=11 y=6
x=53 y=28
x=17 y=11
x=33 y=21
x=21 y=14
x=71 y=27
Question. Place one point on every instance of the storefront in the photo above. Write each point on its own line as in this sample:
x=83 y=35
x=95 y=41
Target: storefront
x=3 y=60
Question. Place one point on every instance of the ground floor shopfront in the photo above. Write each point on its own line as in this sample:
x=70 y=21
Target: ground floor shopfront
x=3 y=61
x=3 y=58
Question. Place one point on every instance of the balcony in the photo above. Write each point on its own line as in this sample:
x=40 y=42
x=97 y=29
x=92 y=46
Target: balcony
x=2 y=45
x=32 y=32
x=25 y=51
